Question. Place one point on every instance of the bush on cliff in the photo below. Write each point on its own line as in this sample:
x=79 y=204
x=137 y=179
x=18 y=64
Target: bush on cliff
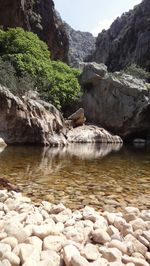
x=29 y=60
x=138 y=72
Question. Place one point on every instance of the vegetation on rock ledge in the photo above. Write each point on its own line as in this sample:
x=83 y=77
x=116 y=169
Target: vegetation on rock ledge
x=25 y=64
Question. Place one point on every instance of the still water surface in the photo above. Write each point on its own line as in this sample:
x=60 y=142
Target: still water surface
x=107 y=177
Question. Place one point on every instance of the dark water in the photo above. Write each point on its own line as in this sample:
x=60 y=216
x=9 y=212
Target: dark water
x=104 y=176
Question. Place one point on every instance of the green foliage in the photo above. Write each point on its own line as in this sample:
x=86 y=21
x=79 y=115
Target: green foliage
x=30 y=60
x=137 y=71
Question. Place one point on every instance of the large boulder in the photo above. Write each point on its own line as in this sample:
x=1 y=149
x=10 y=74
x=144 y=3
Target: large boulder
x=91 y=134
x=29 y=121
x=116 y=101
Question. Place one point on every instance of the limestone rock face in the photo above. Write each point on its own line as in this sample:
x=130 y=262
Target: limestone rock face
x=40 y=17
x=29 y=121
x=126 y=41
x=117 y=102
x=81 y=45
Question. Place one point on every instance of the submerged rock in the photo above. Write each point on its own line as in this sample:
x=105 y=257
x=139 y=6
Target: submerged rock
x=116 y=101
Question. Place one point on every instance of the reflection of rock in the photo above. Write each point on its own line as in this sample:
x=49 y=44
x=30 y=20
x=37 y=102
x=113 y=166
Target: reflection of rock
x=91 y=134
x=116 y=101
x=83 y=151
x=2 y=142
x=92 y=151
x=30 y=121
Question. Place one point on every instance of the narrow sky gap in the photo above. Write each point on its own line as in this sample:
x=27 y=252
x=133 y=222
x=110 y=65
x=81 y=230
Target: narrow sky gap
x=92 y=15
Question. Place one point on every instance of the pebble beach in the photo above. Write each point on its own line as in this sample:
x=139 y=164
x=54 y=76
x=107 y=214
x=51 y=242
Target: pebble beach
x=47 y=234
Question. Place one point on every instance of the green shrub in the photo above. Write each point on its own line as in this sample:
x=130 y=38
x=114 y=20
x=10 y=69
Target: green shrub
x=137 y=71
x=30 y=59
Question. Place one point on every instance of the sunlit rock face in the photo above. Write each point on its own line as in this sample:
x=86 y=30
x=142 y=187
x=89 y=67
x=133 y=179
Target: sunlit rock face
x=115 y=101
x=81 y=45
x=126 y=41
x=40 y=17
x=29 y=121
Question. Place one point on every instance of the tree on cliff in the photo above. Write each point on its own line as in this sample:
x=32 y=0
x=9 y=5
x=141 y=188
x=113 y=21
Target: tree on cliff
x=29 y=59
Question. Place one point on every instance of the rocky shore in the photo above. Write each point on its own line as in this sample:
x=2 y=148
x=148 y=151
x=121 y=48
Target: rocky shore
x=49 y=234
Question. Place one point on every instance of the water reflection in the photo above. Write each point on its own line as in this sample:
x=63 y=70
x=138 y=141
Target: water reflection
x=81 y=174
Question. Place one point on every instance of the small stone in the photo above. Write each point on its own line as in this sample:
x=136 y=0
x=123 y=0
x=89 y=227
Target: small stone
x=68 y=252
x=90 y=214
x=75 y=234
x=112 y=254
x=133 y=210
x=4 y=248
x=90 y=252
x=78 y=260
x=12 y=241
x=13 y=258
x=3 y=235
x=119 y=223
x=138 y=246
x=138 y=255
x=51 y=256
x=147 y=256
x=5 y=262
x=119 y=245
x=146 y=234
x=137 y=261
x=144 y=241
x=30 y=262
x=111 y=230
x=101 y=236
x=57 y=208
x=100 y=262
x=27 y=251
x=54 y=243
x=35 y=241
x=44 y=230
x=138 y=224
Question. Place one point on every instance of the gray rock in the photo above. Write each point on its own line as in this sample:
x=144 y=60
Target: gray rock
x=91 y=134
x=126 y=41
x=117 y=102
x=81 y=45
x=29 y=121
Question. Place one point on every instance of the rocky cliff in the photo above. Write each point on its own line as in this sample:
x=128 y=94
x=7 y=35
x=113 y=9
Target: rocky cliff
x=32 y=121
x=127 y=40
x=81 y=45
x=116 y=101
x=40 y=17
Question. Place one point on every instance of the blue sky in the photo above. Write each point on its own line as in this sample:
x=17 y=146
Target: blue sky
x=92 y=15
